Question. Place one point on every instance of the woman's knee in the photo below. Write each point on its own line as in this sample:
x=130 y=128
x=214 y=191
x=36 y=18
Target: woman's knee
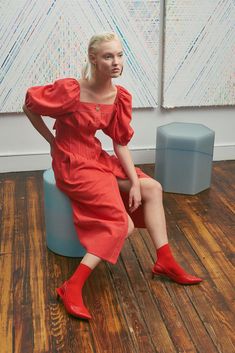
x=152 y=190
x=157 y=187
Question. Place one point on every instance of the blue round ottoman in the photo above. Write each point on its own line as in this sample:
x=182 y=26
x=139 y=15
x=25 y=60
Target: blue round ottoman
x=61 y=236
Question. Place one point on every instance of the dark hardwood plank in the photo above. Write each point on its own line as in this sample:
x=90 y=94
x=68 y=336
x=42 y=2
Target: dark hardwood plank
x=108 y=328
x=6 y=277
x=203 y=243
x=145 y=299
x=22 y=319
x=37 y=279
x=133 y=314
x=207 y=302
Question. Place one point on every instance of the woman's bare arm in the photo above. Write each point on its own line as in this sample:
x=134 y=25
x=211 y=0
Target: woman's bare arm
x=124 y=156
x=39 y=125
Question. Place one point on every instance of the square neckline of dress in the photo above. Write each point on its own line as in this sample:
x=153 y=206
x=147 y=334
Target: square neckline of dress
x=105 y=104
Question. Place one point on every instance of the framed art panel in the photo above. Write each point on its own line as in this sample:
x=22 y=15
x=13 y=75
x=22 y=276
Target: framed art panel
x=42 y=41
x=199 y=53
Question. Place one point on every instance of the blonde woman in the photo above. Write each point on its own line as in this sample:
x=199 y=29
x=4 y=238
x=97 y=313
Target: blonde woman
x=91 y=177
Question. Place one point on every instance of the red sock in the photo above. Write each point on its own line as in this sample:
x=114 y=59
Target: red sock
x=166 y=258
x=80 y=275
x=76 y=283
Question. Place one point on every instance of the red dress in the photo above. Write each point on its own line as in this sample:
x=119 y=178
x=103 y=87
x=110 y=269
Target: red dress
x=83 y=170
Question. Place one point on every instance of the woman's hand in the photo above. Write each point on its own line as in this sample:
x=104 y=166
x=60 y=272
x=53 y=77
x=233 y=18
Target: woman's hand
x=39 y=125
x=124 y=156
x=52 y=146
x=134 y=197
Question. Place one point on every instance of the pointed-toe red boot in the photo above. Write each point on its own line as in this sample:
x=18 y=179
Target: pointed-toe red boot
x=74 y=306
x=71 y=293
x=166 y=266
x=181 y=278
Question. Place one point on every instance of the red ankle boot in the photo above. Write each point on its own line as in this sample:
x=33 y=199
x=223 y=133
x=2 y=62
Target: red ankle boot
x=166 y=266
x=71 y=293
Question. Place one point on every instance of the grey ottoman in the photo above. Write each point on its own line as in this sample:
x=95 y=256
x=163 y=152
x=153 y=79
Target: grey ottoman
x=184 y=154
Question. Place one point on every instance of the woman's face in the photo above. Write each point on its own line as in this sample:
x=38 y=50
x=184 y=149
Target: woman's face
x=109 y=59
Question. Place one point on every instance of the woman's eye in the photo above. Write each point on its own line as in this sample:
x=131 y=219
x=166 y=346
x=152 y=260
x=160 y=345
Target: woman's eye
x=110 y=56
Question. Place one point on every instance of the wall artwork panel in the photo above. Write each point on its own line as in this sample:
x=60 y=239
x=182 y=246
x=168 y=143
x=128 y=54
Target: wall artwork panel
x=45 y=40
x=199 y=53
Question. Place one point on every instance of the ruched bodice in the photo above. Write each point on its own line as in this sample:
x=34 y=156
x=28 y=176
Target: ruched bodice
x=76 y=134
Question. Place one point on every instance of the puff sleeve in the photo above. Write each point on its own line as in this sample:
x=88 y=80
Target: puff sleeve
x=53 y=99
x=119 y=128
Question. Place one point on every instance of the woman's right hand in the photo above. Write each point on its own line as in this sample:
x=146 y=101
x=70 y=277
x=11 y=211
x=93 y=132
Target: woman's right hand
x=52 y=147
x=41 y=127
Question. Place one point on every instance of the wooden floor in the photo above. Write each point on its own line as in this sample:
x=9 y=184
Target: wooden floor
x=132 y=313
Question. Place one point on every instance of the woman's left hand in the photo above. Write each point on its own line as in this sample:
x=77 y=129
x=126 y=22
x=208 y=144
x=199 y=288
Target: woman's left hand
x=134 y=198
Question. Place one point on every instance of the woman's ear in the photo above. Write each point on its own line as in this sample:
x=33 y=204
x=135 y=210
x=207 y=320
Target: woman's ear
x=92 y=59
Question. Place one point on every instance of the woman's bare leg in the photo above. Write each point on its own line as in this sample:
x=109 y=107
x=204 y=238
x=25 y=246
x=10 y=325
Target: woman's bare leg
x=91 y=260
x=154 y=216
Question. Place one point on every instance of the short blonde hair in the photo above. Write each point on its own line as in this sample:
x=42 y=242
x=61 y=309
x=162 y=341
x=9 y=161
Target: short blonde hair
x=88 y=68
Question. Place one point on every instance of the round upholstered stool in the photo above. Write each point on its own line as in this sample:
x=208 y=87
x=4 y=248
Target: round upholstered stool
x=184 y=154
x=61 y=236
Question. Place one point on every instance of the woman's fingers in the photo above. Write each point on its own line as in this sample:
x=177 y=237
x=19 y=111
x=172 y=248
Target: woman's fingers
x=134 y=199
x=134 y=204
x=130 y=200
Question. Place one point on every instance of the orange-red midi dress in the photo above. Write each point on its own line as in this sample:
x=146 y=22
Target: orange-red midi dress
x=83 y=170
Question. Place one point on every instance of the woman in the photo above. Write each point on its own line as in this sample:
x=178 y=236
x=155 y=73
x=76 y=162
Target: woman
x=91 y=177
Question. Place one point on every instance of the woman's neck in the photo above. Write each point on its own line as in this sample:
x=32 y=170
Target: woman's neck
x=101 y=84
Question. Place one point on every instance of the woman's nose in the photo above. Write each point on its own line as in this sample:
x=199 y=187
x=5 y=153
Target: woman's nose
x=115 y=60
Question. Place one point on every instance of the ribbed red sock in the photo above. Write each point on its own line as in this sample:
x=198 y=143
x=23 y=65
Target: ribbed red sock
x=80 y=275
x=76 y=283
x=166 y=258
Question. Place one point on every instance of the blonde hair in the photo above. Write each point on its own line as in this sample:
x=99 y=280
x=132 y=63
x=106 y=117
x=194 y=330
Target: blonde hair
x=88 y=68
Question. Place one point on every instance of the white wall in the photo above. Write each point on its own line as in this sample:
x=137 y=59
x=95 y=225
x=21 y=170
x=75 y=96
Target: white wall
x=22 y=148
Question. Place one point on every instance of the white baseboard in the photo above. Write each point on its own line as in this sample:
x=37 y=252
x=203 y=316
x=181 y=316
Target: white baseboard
x=224 y=152
x=24 y=162
x=40 y=161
